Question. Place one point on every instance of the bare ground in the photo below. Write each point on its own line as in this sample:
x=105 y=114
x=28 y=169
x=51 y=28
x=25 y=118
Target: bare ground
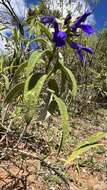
x=35 y=165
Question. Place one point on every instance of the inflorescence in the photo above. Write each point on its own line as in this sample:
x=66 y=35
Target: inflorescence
x=61 y=37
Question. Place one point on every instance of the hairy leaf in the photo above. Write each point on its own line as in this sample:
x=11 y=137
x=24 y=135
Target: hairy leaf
x=14 y=92
x=7 y=83
x=31 y=97
x=64 y=117
x=19 y=70
x=53 y=86
x=70 y=76
x=41 y=40
x=33 y=80
x=34 y=59
x=78 y=152
x=91 y=142
x=45 y=30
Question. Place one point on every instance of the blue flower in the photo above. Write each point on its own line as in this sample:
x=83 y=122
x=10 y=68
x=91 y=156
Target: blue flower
x=79 y=24
x=56 y=26
x=59 y=38
x=79 y=48
x=87 y=28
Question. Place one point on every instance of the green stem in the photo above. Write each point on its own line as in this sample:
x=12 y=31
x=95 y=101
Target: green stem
x=50 y=59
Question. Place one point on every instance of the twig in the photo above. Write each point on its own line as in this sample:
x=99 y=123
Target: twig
x=21 y=136
x=2 y=139
x=4 y=112
x=10 y=9
x=7 y=129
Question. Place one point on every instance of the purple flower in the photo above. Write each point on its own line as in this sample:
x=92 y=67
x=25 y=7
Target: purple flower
x=47 y=19
x=56 y=26
x=83 y=17
x=59 y=38
x=85 y=27
x=79 y=48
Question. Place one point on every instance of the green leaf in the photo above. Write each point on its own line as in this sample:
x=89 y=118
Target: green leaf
x=14 y=92
x=31 y=97
x=63 y=83
x=1 y=64
x=33 y=80
x=91 y=142
x=45 y=43
x=34 y=59
x=7 y=83
x=15 y=34
x=19 y=70
x=64 y=117
x=78 y=152
x=53 y=86
x=70 y=76
x=45 y=30
x=41 y=40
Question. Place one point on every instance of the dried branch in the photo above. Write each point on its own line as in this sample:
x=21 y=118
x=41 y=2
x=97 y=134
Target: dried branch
x=10 y=9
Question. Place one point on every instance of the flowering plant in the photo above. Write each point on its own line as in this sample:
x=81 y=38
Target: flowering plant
x=41 y=71
x=46 y=68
